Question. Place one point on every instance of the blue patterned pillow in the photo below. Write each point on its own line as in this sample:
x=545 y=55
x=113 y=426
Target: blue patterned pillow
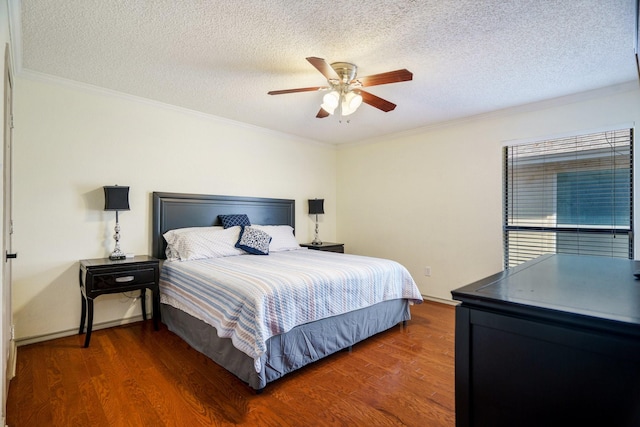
x=233 y=220
x=254 y=241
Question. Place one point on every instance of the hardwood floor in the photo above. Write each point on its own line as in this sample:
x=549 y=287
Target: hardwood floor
x=135 y=376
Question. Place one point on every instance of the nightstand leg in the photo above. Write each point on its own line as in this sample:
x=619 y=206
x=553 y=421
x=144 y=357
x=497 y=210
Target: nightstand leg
x=156 y=308
x=89 y=323
x=83 y=316
x=143 y=302
x=84 y=304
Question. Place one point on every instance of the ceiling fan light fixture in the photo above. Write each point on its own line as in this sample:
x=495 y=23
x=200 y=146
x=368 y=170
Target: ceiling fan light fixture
x=350 y=103
x=344 y=87
x=330 y=101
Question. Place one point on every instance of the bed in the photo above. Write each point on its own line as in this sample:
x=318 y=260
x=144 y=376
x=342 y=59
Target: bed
x=211 y=302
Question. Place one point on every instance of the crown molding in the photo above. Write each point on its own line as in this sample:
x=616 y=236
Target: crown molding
x=629 y=86
x=506 y=112
x=93 y=89
x=15 y=34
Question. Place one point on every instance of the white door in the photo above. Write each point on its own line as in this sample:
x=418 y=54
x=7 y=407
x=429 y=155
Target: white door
x=7 y=358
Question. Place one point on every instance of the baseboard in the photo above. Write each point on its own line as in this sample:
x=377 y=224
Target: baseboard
x=440 y=300
x=96 y=326
x=13 y=357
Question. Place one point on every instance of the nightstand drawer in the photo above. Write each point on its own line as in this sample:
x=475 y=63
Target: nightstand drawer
x=337 y=248
x=123 y=279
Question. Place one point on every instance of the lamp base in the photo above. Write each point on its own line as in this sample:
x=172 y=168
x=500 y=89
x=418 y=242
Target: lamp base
x=117 y=253
x=316 y=239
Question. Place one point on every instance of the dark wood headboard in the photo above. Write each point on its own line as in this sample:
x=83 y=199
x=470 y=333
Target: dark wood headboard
x=179 y=210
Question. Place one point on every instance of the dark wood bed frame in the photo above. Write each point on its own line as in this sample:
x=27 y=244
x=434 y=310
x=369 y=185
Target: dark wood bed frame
x=179 y=210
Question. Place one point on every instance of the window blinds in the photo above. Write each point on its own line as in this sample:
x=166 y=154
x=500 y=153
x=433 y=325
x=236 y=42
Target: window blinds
x=569 y=195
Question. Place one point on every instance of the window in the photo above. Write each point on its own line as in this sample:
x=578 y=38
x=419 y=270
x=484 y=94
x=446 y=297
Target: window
x=569 y=195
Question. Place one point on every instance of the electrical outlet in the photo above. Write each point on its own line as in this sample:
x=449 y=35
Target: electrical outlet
x=427 y=271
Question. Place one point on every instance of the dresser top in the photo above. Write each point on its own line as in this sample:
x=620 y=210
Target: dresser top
x=598 y=287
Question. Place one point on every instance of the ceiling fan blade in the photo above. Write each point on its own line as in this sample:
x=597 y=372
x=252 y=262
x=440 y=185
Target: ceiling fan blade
x=322 y=114
x=375 y=101
x=322 y=66
x=300 y=89
x=385 y=78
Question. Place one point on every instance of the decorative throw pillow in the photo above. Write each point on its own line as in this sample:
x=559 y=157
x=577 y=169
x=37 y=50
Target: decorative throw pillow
x=233 y=220
x=254 y=241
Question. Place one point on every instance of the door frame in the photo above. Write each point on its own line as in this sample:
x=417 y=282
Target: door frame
x=8 y=346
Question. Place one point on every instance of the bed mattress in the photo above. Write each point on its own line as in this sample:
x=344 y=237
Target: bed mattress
x=249 y=299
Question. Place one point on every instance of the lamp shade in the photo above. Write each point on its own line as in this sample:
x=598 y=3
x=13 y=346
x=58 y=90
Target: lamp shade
x=350 y=103
x=330 y=102
x=116 y=198
x=316 y=206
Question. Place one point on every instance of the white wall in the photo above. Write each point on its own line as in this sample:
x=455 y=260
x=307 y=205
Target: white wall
x=434 y=197
x=69 y=142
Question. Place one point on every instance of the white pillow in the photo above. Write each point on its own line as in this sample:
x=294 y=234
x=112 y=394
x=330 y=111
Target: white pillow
x=185 y=244
x=282 y=238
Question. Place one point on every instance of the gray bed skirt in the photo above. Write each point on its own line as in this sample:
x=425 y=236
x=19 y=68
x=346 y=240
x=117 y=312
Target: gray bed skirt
x=292 y=350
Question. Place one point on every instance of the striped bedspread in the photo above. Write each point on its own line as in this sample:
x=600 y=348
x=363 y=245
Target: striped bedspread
x=250 y=298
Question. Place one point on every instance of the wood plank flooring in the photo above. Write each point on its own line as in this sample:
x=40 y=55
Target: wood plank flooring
x=135 y=376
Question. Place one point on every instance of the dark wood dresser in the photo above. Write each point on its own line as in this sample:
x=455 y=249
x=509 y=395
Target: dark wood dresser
x=552 y=342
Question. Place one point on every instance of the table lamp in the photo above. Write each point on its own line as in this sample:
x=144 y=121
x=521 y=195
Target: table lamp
x=316 y=206
x=116 y=198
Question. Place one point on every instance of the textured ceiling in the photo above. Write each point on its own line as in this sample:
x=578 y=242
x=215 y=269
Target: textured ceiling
x=221 y=57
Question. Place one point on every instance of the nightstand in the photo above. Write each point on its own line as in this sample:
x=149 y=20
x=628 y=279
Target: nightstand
x=104 y=276
x=325 y=246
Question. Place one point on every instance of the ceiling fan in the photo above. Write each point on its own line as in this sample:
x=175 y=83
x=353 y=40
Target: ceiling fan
x=345 y=88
